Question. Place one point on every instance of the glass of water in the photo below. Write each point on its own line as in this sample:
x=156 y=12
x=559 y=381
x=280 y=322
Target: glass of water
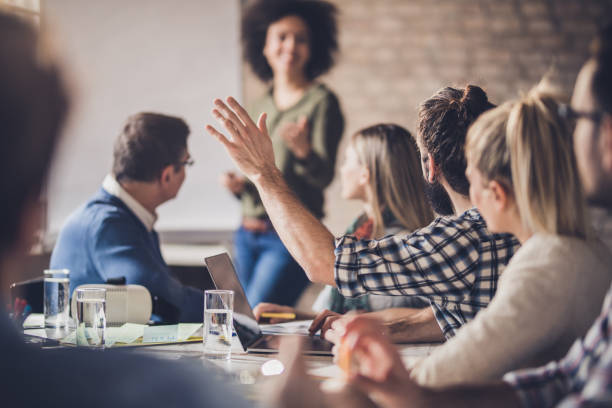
x=218 y=309
x=91 y=316
x=56 y=297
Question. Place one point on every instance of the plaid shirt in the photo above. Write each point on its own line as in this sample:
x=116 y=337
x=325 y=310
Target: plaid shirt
x=455 y=262
x=583 y=378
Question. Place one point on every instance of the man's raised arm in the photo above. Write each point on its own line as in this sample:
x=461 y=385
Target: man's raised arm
x=250 y=147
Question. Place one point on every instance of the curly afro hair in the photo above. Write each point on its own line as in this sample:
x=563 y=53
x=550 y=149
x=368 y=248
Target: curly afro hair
x=320 y=18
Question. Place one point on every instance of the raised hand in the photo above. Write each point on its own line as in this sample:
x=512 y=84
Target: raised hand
x=296 y=137
x=233 y=182
x=250 y=146
x=295 y=389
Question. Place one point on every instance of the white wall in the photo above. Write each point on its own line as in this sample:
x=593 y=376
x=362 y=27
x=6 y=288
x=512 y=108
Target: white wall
x=171 y=57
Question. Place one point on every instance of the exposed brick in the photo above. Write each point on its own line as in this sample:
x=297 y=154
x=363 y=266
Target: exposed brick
x=396 y=53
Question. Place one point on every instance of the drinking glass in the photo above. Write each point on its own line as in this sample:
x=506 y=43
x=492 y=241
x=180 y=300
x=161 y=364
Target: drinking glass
x=56 y=297
x=91 y=317
x=218 y=309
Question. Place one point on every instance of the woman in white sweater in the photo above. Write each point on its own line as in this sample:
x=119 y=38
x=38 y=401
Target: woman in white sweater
x=523 y=179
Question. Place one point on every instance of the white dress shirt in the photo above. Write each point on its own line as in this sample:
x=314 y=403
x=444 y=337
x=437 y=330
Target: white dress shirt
x=112 y=186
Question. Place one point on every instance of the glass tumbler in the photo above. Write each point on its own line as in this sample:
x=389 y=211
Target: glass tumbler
x=91 y=317
x=218 y=323
x=56 y=297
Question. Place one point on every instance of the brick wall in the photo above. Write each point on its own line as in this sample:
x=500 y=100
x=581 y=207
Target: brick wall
x=396 y=53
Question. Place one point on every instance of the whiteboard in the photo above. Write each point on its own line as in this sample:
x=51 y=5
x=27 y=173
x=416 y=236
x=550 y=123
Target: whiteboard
x=162 y=56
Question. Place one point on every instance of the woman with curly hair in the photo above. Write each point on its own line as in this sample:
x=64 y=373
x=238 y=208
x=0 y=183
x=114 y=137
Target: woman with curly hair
x=288 y=44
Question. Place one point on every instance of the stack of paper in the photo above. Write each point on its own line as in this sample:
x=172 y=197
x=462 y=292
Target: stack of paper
x=140 y=334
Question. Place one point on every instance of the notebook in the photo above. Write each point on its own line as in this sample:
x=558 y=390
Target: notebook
x=248 y=330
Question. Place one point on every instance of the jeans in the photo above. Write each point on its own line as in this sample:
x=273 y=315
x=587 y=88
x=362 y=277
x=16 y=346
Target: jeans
x=267 y=272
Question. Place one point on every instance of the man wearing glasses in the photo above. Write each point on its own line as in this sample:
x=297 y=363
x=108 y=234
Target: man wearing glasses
x=112 y=237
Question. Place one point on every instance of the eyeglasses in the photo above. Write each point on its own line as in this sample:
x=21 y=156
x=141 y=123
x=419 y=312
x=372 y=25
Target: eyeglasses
x=571 y=115
x=187 y=163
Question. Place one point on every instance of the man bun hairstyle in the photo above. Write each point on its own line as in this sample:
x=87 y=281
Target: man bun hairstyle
x=443 y=122
x=320 y=18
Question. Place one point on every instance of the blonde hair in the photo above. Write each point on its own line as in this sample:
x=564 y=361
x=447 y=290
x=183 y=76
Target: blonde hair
x=527 y=147
x=390 y=155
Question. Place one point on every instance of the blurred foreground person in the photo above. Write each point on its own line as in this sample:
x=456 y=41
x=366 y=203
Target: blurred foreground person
x=33 y=105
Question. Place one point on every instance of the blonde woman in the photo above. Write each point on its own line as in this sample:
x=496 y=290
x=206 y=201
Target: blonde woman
x=523 y=179
x=381 y=169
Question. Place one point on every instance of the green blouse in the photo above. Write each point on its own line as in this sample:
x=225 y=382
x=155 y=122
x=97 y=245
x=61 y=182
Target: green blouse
x=308 y=177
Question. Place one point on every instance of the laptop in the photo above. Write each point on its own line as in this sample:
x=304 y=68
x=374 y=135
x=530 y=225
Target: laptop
x=249 y=333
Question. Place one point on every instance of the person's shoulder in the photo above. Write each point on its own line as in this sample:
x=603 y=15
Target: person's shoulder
x=449 y=225
x=568 y=250
x=88 y=212
x=104 y=215
x=105 y=207
x=321 y=93
x=472 y=220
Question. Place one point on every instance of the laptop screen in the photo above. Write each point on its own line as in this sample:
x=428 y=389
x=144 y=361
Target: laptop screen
x=224 y=277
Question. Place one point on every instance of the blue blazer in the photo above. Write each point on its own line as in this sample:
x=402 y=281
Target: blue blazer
x=104 y=239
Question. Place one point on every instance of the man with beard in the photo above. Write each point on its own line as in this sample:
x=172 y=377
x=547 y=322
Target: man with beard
x=454 y=262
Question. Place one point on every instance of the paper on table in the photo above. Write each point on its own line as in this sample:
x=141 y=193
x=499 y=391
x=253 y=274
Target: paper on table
x=160 y=334
x=187 y=330
x=70 y=339
x=36 y=332
x=127 y=334
x=34 y=321
x=295 y=327
x=168 y=334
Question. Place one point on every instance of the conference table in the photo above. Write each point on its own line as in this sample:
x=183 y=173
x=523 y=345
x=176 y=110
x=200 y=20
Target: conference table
x=250 y=371
x=247 y=370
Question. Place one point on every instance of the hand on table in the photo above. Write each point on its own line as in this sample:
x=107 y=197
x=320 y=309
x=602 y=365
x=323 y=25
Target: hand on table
x=380 y=368
x=295 y=389
x=233 y=182
x=250 y=146
x=296 y=137
x=323 y=321
x=264 y=307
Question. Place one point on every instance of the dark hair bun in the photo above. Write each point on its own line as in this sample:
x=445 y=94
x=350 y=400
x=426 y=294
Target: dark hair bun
x=474 y=100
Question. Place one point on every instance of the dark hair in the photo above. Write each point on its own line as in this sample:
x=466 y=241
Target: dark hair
x=443 y=122
x=33 y=106
x=320 y=18
x=601 y=51
x=148 y=143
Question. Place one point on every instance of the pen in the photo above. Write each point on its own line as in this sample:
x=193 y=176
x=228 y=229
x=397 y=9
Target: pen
x=271 y=315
